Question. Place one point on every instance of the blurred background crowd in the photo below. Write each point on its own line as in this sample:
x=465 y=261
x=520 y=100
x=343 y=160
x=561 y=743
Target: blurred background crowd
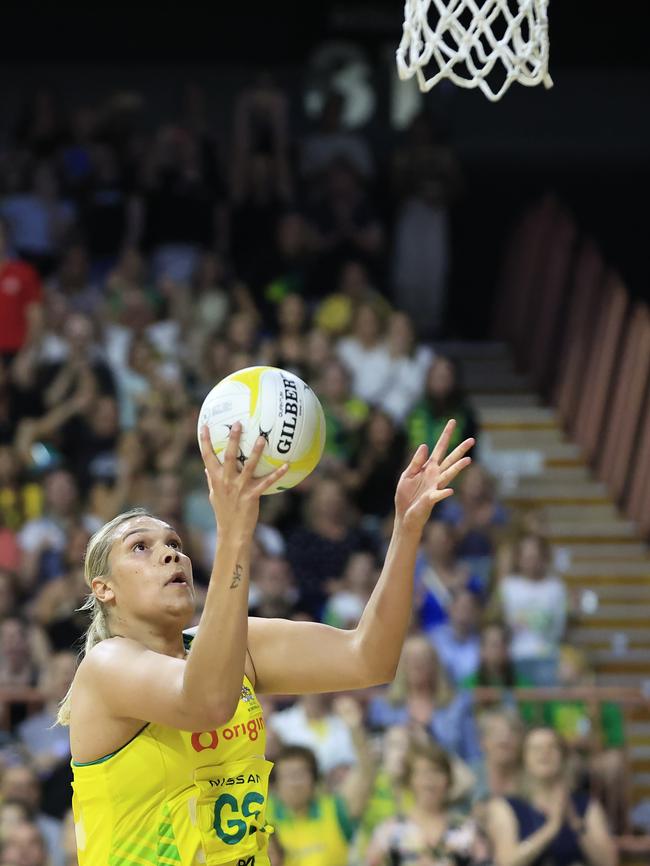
x=137 y=268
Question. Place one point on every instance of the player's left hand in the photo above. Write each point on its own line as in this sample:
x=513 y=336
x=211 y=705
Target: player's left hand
x=424 y=481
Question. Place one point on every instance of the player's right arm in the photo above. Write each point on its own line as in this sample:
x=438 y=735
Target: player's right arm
x=131 y=682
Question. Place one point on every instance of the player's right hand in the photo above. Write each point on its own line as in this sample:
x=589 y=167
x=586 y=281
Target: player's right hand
x=234 y=493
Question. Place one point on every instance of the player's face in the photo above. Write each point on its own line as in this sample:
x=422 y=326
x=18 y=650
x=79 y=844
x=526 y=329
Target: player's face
x=150 y=575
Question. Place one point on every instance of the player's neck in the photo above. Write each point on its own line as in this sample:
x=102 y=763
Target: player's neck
x=167 y=641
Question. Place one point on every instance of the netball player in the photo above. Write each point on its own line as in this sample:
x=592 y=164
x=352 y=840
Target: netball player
x=167 y=744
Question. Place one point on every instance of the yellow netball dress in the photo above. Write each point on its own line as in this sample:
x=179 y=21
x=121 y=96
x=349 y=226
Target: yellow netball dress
x=178 y=798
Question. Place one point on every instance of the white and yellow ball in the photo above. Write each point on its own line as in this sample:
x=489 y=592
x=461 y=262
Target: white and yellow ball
x=272 y=403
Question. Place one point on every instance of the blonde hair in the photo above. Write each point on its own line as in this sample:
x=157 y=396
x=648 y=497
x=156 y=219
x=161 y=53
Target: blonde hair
x=95 y=565
x=440 y=686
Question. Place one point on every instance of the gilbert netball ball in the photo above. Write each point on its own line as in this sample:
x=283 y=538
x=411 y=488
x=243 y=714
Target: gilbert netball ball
x=272 y=403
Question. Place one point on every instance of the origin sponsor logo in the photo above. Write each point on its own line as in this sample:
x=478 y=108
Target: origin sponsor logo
x=202 y=740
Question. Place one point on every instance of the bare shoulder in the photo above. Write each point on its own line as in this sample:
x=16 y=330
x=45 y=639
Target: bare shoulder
x=101 y=670
x=107 y=656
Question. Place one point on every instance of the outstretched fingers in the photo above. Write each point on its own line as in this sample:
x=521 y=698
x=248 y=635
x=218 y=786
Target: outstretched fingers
x=253 y=459
x=231 y=453
x=207 y=451
x=458 y=452
x=452 y=471
x=417 y=461
x=269 y=480
x=442 y=444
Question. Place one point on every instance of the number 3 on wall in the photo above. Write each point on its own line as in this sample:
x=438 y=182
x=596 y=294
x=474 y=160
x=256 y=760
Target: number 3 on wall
x=232 y=830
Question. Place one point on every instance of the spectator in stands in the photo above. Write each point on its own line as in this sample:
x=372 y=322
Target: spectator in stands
x=496 y=668
x=409 y=362
x=389 y=795
x=478 y=517
x=313 y=722
x=547 y=822
x=43 y=539
x=24 y=846
x=308 y=822
x=498 y=773
x=110 y=210
x=319 y=549
x=287 y=349
x=344 y=412
x=72 y=280
x=21 y=313
x=17 y=665
x=49 y=745
x=69 y=840
x=428 y=831
x=41 y=126
x=379 y=462
x=335 y=314
x=331 y=141
x=261 y=179
x=438 y=573
x=364 y=355
x=443 y=398
x=595 y=737
x=20 y=500
x=274 y=592
x=457 y=641
x=8 y=596
x=202 y=307
x=421 y=695
x=12 y=812
x=290 y=266
x=348 y=600
x=343 y=222
x=21 y=783
x=534 y=605
x=181 y=204
x=39 y=219
x=427 y=179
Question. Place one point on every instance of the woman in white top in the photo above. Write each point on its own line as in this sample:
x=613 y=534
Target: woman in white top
x=534 y=605
x=409 y=363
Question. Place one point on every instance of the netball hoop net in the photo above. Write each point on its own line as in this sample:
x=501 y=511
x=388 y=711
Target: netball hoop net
x=475 y=43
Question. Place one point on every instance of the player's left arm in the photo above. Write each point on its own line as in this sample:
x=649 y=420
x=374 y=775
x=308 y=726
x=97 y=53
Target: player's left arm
x=306 y=657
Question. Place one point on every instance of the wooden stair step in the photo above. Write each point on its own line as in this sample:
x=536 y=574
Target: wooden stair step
x=625 y=666
x=602 y=581
x=619 y=679
x=579 y=496
x=598 y=568
x=574 y=530
x=513 y=400
x=517 y=418
x=580 y=512
x=625 y=610
x=624 y=594
x=633 y=550
x=527 y=440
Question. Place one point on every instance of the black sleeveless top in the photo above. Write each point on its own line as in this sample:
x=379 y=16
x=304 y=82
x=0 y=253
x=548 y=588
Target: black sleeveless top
x=564 y=849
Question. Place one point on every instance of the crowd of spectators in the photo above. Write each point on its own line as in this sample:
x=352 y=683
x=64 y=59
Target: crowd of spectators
x=137 y=268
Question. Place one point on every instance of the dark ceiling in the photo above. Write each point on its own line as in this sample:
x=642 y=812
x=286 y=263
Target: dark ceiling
x=587 y=34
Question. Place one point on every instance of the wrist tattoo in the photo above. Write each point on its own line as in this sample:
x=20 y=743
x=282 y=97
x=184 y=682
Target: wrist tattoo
x=236 y=577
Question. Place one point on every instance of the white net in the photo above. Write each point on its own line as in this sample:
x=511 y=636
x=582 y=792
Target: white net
x=475 y=43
